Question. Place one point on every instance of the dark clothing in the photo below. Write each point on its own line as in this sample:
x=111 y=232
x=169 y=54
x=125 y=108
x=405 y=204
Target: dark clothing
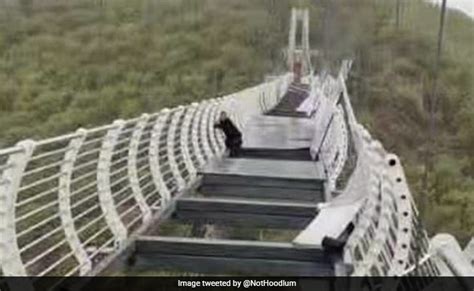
x=233 y=137
x=233 y=145
x=228 y=128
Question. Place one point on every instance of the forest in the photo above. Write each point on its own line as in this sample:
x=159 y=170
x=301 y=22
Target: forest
x=82 y=63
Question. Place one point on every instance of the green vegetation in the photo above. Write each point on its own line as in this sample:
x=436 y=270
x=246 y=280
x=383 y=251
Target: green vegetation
x=391 y=86
x=65 y=64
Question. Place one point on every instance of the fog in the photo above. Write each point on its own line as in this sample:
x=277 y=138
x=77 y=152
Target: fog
x=467 y=6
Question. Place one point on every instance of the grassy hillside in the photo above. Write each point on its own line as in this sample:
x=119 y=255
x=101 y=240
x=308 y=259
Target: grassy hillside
x=65 y=64
x=87 y=62
x=391 y=85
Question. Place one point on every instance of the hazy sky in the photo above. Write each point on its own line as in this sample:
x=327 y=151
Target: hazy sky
x=465 y=5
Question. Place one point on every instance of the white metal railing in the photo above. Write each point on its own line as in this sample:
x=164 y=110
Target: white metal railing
x=331 y=139
x=70 y=202
x=387 y=238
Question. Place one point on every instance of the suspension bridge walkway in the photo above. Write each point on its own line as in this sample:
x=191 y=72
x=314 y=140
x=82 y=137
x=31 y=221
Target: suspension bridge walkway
x=86 y=202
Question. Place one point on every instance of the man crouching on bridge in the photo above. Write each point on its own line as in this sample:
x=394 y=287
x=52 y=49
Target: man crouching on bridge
x=233 y=137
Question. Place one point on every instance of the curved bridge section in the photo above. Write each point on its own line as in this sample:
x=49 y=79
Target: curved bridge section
x=70 y=203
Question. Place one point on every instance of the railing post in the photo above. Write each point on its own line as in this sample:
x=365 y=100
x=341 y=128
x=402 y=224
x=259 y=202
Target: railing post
x=404 y=215
x=204 y=131
x=107 y=204
x=219 y=136
x=64 y=195
x=212 y=131
x=341 y=144
x=170 y=147
x=382 y=200
x=10 y=257
x=261 y=99
x=154 y=158
x=186 y=128
x=195 y=133
x=132 y=168
x=276 y=91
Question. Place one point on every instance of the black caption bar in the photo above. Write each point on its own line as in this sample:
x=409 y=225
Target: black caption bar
x=236 y=283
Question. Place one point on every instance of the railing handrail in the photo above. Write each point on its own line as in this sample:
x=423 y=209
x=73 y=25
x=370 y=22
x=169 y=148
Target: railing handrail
x=69 y=202
x=75 y=199
x=383 y=241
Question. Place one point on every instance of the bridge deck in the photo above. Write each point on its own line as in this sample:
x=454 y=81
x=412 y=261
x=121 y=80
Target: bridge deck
x=290 y=102
x=273 y=185
x=291 y=170
x=230 y=257
x=269 y=132
x=258 y=178
x=244 y=213
x=285 y=138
